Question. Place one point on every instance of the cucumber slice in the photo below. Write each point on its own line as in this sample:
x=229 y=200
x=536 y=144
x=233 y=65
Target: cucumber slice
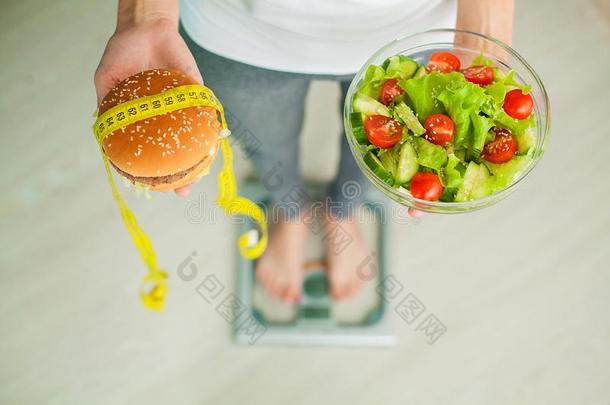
x=358 y=128
x=388 y=161
x=477 y=183
x=400 y=66
x=421 y=71
x=505 y=173
x=376 y=166
x=472 y=171
x=483 y=185
x=407 y=163
x=408 y=117
x=369 y=106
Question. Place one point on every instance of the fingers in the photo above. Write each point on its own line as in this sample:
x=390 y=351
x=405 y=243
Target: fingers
x=413 y=213
x=183 y=191
x=107 y=77
x=467 y=41
x=193 y=71
x=180 y=57
x=103 y=83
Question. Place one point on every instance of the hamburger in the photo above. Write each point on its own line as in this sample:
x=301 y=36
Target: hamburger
x=166 y=151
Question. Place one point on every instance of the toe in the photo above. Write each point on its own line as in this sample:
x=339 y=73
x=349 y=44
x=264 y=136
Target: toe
x=276 y=289
x=355 y=286
x=337 y=290
x=352 y=291
x=292 y=292
x=288 y=295
x=348 y=292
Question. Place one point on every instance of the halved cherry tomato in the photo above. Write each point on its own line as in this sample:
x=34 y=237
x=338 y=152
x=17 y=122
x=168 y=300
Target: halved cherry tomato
x=389 y=91
x=382 y=131
x=426 y=186
x=502 y=148
x=443 y=62
x=439 y=129
x=518 y=105
x=481 y=75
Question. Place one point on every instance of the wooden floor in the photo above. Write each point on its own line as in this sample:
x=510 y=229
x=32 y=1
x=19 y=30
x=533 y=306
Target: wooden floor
x=523 y=288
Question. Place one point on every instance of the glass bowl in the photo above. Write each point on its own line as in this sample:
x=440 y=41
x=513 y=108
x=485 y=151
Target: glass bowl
x=419 y=47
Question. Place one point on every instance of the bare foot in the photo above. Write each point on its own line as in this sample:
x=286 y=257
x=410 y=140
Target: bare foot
x=280 y=269
x=345 y=251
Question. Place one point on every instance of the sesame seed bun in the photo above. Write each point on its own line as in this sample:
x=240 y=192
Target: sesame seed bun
x=166 y=151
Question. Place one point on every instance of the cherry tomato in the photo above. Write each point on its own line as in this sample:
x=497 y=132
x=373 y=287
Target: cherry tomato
x=426 y=186
x=502 y=148
x=518 y=105
x=439 y=129
x=389 y=91
x=382 y=131
x=481 y=75
x=443 y=62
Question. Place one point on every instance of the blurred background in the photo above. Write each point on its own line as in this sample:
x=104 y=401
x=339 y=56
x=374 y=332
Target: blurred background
x=522 y=287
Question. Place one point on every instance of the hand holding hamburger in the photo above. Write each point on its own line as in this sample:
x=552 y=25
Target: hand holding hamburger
x=143 y=40
x=159 y=127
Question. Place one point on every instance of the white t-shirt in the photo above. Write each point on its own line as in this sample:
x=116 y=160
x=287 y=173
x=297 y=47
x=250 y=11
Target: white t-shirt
x=308 y=36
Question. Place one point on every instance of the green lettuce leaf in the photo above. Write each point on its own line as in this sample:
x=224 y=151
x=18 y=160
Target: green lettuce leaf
x=371 y=89
x=502 y=84
x=509 y=80
x=448 y=195
x=463 y=100
x=481 y=60
x=373 y=73
x=372 y=82
x=497 y=90
x=481 y=125
x=422 y=92
x=430 y=155
x=453 y=174
x=517 y=127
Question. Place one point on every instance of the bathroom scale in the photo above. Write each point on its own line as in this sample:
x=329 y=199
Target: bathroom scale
x=360 y=320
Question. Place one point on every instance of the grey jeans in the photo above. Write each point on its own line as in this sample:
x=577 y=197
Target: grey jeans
x=264 y=111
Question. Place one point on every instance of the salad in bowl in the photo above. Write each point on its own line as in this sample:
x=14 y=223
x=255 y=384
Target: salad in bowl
x=446 y=129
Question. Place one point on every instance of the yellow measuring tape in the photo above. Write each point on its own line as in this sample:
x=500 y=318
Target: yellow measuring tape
x=251 y=245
